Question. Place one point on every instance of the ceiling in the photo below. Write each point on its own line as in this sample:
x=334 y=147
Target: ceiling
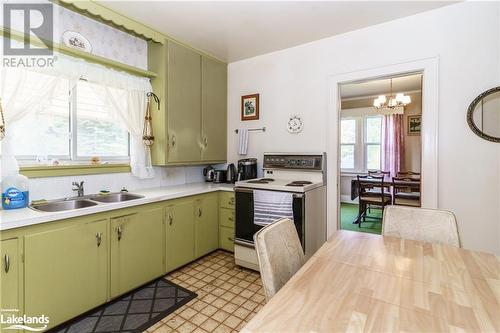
x=234 y=30
x=409 y=83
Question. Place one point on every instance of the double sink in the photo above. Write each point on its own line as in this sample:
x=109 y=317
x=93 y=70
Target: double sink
x=83 y=202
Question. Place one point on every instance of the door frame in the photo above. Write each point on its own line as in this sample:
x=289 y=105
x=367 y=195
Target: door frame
x=429 y=67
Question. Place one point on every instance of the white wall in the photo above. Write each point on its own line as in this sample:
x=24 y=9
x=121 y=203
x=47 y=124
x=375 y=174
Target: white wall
x=295 y=81
x=59 y=187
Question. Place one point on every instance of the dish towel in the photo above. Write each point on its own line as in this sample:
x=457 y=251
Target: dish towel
x=270 y=206
x=242 y=141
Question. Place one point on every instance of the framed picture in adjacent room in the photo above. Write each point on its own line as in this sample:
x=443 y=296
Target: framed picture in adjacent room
x=414 y=125
x=250 y=107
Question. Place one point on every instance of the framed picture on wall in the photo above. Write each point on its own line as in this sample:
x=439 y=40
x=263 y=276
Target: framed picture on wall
x=250 y=107
x=414 y=125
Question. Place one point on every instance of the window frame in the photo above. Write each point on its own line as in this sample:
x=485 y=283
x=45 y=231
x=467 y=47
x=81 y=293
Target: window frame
x=360 y=148
x=73 y=158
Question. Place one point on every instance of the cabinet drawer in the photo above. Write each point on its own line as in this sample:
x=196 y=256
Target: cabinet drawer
x=227 y=217
x=227 y=200
x=226 y=238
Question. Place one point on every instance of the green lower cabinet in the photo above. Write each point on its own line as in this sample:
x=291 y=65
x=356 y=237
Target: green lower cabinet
x=180 y=233
x=66 y=271
x=227 y=238
x=137 y=249
x=206 y=224
x=10 y=273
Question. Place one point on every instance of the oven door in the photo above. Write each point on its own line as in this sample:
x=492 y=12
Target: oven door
x=245 y=226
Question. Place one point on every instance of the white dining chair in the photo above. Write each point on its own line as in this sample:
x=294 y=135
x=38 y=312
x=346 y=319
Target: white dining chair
x=279 y=253
x=429 y=225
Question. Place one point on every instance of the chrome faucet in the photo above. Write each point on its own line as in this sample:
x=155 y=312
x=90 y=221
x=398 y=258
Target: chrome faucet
x=79 y=188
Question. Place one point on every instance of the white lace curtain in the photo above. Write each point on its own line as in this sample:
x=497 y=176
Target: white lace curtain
x=34 y=88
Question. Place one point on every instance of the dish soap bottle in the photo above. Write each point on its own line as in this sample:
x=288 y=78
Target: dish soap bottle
x=15 y=193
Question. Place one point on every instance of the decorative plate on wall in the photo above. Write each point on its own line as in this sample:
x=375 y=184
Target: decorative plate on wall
x=77 y=41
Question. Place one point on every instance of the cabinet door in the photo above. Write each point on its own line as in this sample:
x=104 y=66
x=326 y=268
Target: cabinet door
x=180 y=234
x=137 y=250
x=206 y=224
x=66 y=271
x=227 y=239
x=9 y=275
x=184 y=104
x=214 y=110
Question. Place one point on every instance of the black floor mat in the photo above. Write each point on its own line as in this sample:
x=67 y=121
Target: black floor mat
x=133 y=312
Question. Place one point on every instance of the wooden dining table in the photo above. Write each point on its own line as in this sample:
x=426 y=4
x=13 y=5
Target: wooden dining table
x=358 y=282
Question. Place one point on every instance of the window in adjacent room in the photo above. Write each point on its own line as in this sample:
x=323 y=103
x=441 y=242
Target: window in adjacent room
x=348 y=144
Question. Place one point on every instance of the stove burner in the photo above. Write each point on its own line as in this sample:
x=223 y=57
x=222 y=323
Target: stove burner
x=299 y=183
x=259 y=181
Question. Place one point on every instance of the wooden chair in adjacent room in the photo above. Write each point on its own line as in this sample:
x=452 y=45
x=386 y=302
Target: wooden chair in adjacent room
x=429 y=225
x=408 y=174
x=373 y=191
x=279 y=253
x=406 y=191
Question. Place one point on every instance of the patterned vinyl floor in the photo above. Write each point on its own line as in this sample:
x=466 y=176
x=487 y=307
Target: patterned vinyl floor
x=228 y=296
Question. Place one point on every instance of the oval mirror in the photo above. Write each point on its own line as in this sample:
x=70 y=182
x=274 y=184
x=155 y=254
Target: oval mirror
x=483 y=115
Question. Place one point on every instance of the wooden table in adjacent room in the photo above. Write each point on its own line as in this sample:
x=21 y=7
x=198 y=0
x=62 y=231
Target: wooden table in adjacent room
x=360 y=282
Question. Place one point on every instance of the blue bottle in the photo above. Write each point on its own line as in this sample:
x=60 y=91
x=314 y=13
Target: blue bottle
x=15 y=193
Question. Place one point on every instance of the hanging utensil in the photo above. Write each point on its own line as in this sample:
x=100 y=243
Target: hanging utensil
x=2 y=122
x=147 y=133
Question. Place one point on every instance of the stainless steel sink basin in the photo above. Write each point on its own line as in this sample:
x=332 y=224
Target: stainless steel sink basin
x=57 y=206
x=115 y=197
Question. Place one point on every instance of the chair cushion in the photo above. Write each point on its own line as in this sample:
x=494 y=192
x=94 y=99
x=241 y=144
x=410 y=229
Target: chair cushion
x=407 y=195
x=376 y=199
x=279 y=253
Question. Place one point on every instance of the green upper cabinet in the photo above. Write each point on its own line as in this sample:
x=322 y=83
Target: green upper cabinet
x=213 y=110
x=137 y=249
x=9 y=275
x=184 y=104
x=191 y=126
x=66 y=271
x=206 y=224
x=180 y=233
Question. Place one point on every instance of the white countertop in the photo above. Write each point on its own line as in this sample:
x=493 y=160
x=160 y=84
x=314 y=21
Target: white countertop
x=10 y=219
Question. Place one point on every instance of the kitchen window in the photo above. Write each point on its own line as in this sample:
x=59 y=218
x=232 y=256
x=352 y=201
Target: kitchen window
x=76 y=125
x=360 y=143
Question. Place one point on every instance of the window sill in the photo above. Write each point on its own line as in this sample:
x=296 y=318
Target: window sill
x=40 y=171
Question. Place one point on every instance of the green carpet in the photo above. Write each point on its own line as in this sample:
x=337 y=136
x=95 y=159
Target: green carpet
x=349 y=212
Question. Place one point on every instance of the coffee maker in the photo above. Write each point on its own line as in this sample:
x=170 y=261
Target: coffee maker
x=247 y=169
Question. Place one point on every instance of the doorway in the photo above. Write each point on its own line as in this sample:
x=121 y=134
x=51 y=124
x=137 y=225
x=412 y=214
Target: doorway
x=379 y=148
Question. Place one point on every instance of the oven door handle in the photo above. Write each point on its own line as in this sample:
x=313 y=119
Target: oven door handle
x=243 y=189
x=249 y=190
x=244 y=243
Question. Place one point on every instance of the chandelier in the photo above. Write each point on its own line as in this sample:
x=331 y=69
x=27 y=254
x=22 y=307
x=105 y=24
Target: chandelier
x=399 y=100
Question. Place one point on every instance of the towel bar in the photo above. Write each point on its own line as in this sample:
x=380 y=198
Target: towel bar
x=263 y=129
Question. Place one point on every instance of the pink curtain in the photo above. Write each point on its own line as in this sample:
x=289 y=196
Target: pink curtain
x=393 y=144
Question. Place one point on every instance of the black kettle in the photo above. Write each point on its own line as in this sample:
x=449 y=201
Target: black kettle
x=230 y=173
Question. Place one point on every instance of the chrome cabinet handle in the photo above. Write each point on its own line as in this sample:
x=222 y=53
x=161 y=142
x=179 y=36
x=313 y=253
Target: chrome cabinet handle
x=170 y=219
x=173 y=140
x=98 y=237
x=231 y=201
x=199 y=212
x=119 y=231
x=6 y=263
x=205 y=142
